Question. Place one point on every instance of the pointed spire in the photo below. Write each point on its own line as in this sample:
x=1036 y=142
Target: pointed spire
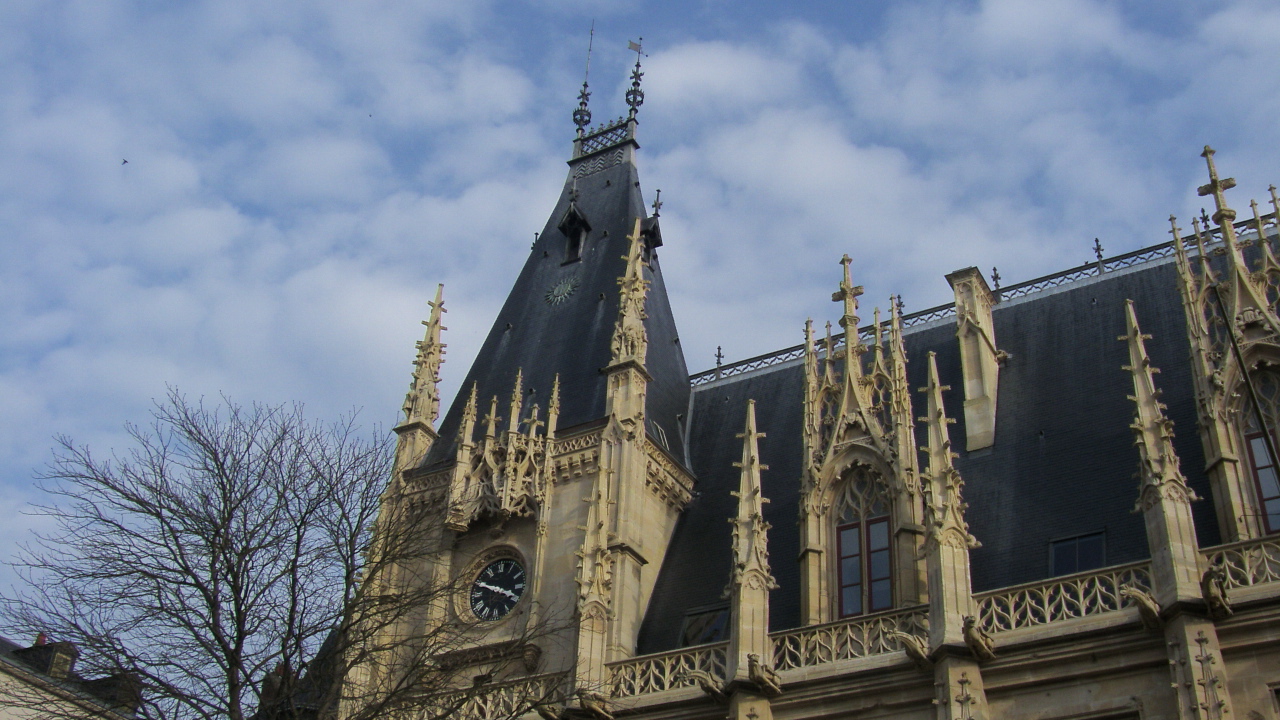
x=635 y=96
x=582 y=115
x=553 y=408
x=751 y=579
x=750 y=548
x=422 y=402
x=467 y=432
x=945 y=506
x=630 y=340
x=1152 y=431
x=517 y=400
x=491 y=420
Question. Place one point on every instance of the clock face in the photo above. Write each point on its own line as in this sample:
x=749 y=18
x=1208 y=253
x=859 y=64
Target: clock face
x=497 y=589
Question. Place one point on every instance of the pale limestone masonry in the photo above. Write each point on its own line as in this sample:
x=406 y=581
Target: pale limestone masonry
x=1191 y=632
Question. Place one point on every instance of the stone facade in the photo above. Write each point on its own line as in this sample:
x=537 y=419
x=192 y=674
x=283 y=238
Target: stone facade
x=887 y=607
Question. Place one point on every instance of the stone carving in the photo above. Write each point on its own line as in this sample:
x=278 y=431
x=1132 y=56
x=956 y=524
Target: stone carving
x=1148 y=608
x=594 y=705
x=857 y=414
x=1231 y=318
x=765 y=678
x=917 y=650
x=712 y=686
x=630 y=341
x=503 y=475
x=979 y=642
x=1213 y=588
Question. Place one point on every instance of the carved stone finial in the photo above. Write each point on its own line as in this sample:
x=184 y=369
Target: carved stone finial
x=657 y=201
x=1097 y=250
x=944 y=504
x=1224 y=215
x=1153 y=432
x=553 y=408
x=750 y=531
x=630 y=340
x=422 y=402
x=517 y=401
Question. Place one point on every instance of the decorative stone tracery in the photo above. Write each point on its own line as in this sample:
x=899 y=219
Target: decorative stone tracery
x=859 y=444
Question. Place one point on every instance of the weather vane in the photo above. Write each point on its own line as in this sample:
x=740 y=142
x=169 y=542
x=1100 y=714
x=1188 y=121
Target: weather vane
x=582 y=116
x=635 y=96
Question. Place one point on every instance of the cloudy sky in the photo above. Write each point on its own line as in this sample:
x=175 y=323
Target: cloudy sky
x=301 y=174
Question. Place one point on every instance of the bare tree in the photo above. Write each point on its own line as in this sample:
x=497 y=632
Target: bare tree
x=232 y=564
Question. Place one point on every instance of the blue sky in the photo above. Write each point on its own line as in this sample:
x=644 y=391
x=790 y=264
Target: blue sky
x=302 y=174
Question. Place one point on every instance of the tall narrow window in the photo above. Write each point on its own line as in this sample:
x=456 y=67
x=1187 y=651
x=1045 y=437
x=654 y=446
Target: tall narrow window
x=866 y=583
x=864 y=566
x=1265 y=481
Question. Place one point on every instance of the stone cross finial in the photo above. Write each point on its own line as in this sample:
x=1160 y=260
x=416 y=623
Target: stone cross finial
x=1224 y=215
x=848 y=293
x=657 y=201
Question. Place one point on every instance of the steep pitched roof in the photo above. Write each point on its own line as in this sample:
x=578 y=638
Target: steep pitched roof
x=560 y=314
x=1062 y=465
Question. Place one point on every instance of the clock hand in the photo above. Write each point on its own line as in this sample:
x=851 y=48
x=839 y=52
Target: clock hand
x=498 y=590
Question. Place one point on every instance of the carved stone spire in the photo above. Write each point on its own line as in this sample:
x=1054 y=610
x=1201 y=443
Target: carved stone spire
x=1164 y=497
x=553 y=409
x=1246 y=296
x=630 y=341
x=749 y=671
x=422 y=402
x=517 y=401
x=947 y=538
x=1152 y=431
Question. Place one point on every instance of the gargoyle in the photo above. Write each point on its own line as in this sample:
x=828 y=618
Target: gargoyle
x=764 y=677
x=549 y=712
x=594 y=704
x=1148 y=608
x=979 y=642
x=915 y=649
x=1213 y=588
x=709 y=684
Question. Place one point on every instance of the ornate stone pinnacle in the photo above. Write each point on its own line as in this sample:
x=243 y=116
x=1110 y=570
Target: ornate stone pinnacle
x=422 y=402
x=1153 y=432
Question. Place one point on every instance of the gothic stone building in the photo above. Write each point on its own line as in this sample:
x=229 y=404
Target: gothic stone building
x=980 y=510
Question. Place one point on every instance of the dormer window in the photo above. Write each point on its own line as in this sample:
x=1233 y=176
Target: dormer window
x=575 y=228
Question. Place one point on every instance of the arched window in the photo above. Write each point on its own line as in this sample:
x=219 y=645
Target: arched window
x=1266 y=481
x=864 y=565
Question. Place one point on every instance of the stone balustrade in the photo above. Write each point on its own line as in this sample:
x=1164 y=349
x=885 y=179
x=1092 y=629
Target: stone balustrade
x=1247 y=563
x=1062 y=598
x=847 y=639
x=667 y=671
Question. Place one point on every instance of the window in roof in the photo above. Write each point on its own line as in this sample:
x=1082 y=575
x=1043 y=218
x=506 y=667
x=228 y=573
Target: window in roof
x=1265 y=481
x=864 y=567
x=1263 y=469
x=705 y=625
x=865 y=578
x=575 y=228
x=1077 y=554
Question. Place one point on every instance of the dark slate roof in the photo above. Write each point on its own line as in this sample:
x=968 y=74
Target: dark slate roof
x=1063 y=463
x=572 y=337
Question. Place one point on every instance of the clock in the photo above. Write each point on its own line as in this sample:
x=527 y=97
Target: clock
x=497 y=589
